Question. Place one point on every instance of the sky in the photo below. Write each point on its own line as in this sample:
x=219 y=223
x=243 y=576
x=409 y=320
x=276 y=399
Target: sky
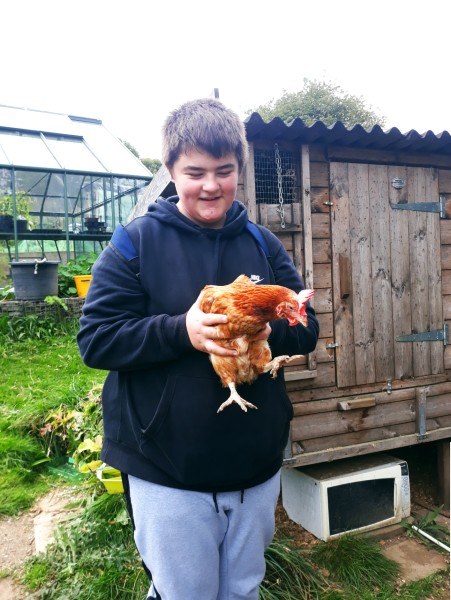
x=130 y=62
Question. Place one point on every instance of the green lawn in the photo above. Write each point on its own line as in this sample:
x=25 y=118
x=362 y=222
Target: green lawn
x=38 y=376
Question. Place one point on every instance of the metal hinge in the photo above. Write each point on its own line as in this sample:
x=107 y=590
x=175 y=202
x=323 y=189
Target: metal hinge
x=438 y=335
x=437 y=207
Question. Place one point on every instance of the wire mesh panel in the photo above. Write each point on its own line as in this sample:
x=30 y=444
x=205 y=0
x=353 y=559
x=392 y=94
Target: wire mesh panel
x=268 y=176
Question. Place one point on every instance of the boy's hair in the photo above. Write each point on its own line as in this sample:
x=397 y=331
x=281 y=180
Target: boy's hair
x=204 y=125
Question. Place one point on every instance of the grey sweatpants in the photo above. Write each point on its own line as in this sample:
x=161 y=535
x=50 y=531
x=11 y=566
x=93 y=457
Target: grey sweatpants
x=199 y=547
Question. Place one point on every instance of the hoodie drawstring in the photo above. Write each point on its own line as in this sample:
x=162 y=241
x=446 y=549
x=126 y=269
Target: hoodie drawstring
x=215 y=499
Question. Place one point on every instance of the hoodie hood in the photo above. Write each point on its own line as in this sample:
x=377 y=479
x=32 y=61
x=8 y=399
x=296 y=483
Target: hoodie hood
x=166 y=211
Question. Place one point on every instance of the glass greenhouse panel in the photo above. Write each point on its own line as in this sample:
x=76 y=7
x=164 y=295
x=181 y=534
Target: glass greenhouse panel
x=27 y=150
x=74 y=154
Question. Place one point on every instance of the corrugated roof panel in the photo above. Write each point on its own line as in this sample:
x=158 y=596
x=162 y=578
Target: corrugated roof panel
x=357 y=136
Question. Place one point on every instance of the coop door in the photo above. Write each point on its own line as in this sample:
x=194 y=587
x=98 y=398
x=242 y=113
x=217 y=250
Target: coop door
x=386 y=273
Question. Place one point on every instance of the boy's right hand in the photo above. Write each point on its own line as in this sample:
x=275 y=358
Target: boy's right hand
x=202 y=330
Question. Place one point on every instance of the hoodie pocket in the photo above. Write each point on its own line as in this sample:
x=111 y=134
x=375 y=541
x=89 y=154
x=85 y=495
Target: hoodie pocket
x=189 y=440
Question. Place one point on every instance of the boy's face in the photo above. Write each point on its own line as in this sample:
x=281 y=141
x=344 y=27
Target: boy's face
x=206 y=186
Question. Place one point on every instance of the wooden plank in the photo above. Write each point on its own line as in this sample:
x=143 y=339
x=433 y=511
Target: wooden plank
x=325 y=321
x=360 y=232
x=249 y=195
x=323 y=300
x=380 y=213
x=321 y=226
x=445 y=232
x=330 y=404
x=321 y=251
x=446 y=307
x=307 y=395
x=325 y=377
x=307 y=227
x=318 y=197
x=444 y=181
x=323 y=275
x=319 y=174
x=332 y=423
x=306 y=217
x=356 y=437
x=418 y=245
x=343 y=315
x=400 y=269
x=310 y=458
x=434 y=273
x=445 y=253
x=446 y=282
x=387 y=157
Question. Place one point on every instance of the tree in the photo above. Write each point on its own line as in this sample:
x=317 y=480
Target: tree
x=132 y=149
x=153 y=164
x=320 y=101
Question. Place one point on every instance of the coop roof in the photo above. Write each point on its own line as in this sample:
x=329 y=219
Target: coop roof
x=53 y=141
x=357 y=136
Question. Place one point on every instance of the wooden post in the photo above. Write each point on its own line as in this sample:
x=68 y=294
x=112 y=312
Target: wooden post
x=443 y=472
x=307 y=229
x=249 y=186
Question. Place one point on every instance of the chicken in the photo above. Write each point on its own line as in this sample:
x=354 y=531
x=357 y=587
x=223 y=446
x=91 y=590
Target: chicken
x=249 y=307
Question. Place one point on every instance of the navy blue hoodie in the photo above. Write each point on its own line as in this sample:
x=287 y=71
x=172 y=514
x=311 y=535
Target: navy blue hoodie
x=161 y=395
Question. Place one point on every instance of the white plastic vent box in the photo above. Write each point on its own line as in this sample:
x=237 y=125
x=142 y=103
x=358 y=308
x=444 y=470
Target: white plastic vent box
x=355 y=494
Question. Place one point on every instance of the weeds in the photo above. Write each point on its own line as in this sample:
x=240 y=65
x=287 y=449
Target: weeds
x=94 y=557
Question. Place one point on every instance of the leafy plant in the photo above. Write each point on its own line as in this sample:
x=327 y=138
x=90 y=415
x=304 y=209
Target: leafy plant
x=34 y=327
x=23 y=205
x=75 y=431
x=81 y=265
x=428 y=523
x=7 y=293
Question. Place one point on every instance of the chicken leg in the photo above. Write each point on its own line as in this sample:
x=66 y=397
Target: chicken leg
x=235 y=397
x=279 y=361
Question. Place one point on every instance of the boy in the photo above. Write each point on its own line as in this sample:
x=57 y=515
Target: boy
x=202 y=487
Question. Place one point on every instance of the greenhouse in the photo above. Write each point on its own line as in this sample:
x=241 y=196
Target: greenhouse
x=65 y=182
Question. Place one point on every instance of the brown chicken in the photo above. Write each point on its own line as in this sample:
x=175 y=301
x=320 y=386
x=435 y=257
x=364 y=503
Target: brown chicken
x=249 y=307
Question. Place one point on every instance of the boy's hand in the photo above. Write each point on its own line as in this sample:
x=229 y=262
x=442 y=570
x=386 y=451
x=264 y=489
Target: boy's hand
x=202 y=330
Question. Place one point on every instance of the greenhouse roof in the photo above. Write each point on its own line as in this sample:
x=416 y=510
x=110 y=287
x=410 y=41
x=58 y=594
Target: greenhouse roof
x=52 y=141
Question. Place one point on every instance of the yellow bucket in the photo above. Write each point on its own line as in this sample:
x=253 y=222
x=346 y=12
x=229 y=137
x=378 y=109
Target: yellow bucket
x=82 y=283
x=111 y=479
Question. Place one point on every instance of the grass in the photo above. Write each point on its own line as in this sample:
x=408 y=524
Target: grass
x=357 y=563
x=38 y=375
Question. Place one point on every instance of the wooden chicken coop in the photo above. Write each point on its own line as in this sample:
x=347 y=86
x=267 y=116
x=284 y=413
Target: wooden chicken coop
x=366 y=217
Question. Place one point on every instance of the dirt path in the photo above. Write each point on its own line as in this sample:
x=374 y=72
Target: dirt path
x=28 y=534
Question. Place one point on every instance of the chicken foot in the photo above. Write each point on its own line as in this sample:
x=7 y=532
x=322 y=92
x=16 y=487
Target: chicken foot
x=235 y=397
x=279 y=361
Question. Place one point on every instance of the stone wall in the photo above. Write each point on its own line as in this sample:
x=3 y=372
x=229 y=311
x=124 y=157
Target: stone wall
x=19 y=308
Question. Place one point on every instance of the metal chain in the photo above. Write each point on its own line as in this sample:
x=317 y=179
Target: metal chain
x=281 y=209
